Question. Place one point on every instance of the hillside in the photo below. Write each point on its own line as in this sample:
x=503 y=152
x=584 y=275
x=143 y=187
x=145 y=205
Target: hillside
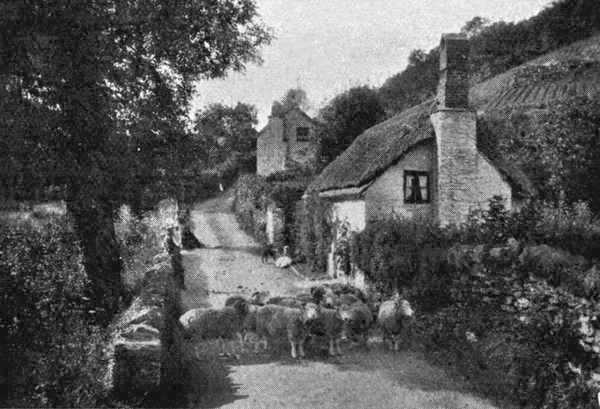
x=495 y=49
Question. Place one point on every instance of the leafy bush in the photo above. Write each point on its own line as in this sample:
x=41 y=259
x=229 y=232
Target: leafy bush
x=314 y=231
x=253 y=194
x=50 y=353
x=390 y=250
x=497 y=299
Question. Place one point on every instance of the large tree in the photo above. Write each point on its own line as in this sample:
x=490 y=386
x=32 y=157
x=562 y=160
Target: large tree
x=345 y=117
x=104 y=71
x=228 y=134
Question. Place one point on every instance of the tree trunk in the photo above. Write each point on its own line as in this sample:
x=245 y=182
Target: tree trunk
x=93 y=221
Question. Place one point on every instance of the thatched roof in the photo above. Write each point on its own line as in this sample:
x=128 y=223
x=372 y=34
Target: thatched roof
x=570 y=71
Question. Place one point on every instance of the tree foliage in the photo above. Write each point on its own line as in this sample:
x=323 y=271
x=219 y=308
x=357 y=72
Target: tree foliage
x=227 y=134
x=345 y=117
x=106 y=76
x=558 y=149
x=495 y=48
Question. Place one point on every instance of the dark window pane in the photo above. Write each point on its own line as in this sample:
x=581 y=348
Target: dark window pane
x=302 y=133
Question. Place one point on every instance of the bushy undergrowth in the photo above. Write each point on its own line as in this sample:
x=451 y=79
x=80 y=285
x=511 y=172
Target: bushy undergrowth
x=314 y=232
x=501 y=296
x=253 y=195
x=49 y=355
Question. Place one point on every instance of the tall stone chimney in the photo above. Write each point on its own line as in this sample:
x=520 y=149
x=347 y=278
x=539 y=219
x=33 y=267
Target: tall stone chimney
x=455 y=132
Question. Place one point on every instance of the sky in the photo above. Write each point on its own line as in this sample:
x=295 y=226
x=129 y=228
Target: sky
x=328 y=46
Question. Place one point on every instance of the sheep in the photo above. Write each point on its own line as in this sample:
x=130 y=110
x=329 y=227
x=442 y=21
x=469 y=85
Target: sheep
x=357 y=318
x=277 y=321
x=212 y=323
x=323 y=295
x=234 y=299
x=395 y=316
x=259 y=297
x=285 y=302
x=326 y=322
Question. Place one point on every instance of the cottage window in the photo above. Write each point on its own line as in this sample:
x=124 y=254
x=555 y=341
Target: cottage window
x=302 y=133
x=416 y=187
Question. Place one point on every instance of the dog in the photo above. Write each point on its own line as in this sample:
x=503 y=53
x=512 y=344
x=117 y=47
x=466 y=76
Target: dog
x=268 y=252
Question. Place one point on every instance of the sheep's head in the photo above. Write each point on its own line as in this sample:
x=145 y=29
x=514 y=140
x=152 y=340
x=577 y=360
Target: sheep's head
x=317 y=293
x=241 y=307
x=405 y=308
x=345 y=312
x=260 y=297
x=310 y=312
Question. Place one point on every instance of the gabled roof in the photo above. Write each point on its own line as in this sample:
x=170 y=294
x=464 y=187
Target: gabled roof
x=570 y=71
x=284 y=113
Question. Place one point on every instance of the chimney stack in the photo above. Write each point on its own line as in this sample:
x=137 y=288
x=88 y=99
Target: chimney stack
x=455 y=126
x=453 y=88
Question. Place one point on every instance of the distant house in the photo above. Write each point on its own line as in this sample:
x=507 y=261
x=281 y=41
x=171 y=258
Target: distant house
x=288 y=141
x=426 y=161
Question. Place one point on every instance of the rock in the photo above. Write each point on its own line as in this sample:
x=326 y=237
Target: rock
x=136 y=368
x=140 y=332
x=283 y=262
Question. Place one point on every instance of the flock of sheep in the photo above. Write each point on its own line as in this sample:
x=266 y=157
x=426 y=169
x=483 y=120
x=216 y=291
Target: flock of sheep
x=336 y=312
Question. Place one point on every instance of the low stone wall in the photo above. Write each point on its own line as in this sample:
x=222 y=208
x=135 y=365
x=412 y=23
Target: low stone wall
x=145 y=359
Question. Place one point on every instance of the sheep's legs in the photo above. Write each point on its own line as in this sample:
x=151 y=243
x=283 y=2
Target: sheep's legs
x=331 y=347
x=301 y=348
x=337 y=346
x=396 y=342
x=294 y=354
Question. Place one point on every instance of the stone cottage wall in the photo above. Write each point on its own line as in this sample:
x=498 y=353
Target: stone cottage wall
x=278 y=149
x=386 y=195
x=271 y=149
x=301 y=154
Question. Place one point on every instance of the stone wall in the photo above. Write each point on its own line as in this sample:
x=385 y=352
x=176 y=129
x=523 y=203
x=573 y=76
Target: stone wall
x=457 y=164
x=145 y=354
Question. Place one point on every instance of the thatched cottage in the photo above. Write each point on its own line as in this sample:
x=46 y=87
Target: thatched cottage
x=287 y=141
x=426 y=161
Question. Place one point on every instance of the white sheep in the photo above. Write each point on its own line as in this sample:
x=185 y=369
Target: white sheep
x=326 y=322
x=220 y=324
x=358 y=319
x=275 y=321
x=395 y=317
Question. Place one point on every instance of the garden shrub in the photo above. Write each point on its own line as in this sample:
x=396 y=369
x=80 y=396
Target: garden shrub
x=314 y=231
x=253 y=195
x=502 y=297
x=50 y=353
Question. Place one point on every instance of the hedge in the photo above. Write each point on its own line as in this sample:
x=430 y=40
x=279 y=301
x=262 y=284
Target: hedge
x=50 y=354
x=516 y=315
x=253 y=194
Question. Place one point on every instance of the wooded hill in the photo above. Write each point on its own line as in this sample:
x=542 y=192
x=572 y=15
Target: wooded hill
x=495 y=48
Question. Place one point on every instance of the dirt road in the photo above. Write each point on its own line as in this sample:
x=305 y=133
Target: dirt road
x=371 y=378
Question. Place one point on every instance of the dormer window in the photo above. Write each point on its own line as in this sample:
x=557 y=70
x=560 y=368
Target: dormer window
x=416 y=187
x=302 y=134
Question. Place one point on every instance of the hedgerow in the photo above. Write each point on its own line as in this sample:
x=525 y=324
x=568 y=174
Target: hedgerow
x=50 y=352
x=253 y=195
x=500 y=296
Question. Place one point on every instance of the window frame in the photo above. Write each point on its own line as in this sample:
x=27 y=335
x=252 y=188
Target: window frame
x=417 y=174
x=305 y=138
